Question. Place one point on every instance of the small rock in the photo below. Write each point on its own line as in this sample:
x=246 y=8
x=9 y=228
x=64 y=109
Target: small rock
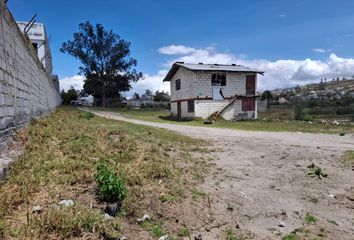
x=123 y=238
x=146 y=217
x=37 y=209
x=67 y=203
x=112 y=209
x=351 y=197
x=281 y=224
x=164 y=237
x=331 y=195
x=243 y=194
x=199 y=237
x=108 y=217
x=230 y=207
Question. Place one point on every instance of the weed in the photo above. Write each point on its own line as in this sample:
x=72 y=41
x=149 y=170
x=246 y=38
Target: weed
x=155 y=228
x=87 y=115
x=184 y=232
x=230 y=234
x=310 y=219
x=316 y=171
x=197 y=193
x=349 y=156
x=333 y=222
x=110 y=187
x=291 y=236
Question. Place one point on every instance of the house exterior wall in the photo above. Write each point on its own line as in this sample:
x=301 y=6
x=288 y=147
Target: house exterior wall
x=26 y=89
x=205 y=108
x=235 y=84
x=188 y=85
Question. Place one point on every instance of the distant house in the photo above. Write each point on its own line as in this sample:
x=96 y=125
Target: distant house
x=200 y=90
x=282 y=100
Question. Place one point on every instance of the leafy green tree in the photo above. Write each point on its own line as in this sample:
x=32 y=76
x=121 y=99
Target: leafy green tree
x=106 y=61
x=136 y=96
x=161 y=96
x=267 y=95
x=70 y=95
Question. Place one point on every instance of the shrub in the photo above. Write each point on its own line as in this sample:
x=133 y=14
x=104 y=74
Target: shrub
x=110 y=187
x=87 y=115
x=301 y=114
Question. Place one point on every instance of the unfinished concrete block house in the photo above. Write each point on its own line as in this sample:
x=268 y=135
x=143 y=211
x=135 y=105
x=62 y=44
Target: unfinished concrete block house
x=201 y=90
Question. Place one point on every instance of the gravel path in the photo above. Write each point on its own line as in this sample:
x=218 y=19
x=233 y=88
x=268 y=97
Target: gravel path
x=261 y=187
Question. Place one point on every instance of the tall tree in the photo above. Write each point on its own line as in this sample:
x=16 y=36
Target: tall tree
x=106 y=61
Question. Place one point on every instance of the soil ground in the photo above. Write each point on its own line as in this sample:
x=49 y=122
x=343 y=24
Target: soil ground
x=261 y=188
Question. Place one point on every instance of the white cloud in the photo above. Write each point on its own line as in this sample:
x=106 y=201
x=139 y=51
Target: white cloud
x=76 y=81
x=176 y=50
x=151 y=82
x=278 y=74
x=282 y=15
x=319 y=50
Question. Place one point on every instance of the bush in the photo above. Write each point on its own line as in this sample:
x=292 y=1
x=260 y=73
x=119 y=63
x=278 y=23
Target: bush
x=87 y=115
x=301 y=114
x=110 y=187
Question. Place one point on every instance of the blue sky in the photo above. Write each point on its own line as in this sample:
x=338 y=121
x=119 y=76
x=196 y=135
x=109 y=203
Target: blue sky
x=311 y=36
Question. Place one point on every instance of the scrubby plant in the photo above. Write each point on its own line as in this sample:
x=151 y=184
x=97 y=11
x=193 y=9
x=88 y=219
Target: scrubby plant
x=301 y=113
x=111 y=188
x=310 y=219
x=87 y=115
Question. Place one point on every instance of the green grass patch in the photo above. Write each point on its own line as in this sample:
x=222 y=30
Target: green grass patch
x=349 y=156
x=60 y=159
x=268 y=121
x=230 y=234
x=310 y=219
x=291 y=236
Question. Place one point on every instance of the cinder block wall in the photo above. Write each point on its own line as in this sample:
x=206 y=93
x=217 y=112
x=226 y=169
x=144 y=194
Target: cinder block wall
x=26 y=89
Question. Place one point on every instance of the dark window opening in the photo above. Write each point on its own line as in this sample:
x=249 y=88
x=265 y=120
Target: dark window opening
x=218 y=79
x=250 y=85
x=248 y=104
x=190 y=106
x=35 y=46
x=178 y=84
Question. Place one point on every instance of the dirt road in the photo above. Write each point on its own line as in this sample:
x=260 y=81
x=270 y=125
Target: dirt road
x=260 y=184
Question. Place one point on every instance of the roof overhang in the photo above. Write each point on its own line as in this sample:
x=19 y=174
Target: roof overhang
x=177 y=65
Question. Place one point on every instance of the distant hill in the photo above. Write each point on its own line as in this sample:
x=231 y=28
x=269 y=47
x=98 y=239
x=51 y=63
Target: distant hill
x=323 y=88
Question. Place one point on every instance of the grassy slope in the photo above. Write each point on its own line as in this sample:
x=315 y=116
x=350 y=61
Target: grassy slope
x=272 y=124
x=59 y=162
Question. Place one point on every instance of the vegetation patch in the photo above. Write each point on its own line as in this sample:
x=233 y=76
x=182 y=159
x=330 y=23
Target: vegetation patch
x=94 y=161
x=276 y=120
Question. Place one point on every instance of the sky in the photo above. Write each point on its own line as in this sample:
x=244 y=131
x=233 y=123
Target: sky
x=294 y=41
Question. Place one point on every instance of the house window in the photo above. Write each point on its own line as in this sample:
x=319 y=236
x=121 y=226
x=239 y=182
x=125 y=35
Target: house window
x=190 y=106
x=250 y=85
x=248 y=104
x=218 y=79
x=178 y=84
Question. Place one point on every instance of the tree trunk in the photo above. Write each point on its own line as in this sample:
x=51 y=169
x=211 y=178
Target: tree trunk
x=103 y=96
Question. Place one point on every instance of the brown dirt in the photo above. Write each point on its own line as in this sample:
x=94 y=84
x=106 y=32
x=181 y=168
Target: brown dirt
x=263 y=177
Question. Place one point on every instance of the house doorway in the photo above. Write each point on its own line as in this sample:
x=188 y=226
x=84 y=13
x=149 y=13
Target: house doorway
x=179 y=111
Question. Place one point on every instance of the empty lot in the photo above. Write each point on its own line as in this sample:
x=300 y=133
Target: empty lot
x=261 y=185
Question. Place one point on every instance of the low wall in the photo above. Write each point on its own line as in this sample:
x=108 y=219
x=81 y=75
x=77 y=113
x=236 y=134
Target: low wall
x=26 y=89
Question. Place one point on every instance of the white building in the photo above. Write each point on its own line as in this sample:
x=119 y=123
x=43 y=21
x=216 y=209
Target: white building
x=200 y=90
x=38 y=37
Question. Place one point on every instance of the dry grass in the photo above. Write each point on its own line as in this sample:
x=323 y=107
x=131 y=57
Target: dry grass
x=59 y=162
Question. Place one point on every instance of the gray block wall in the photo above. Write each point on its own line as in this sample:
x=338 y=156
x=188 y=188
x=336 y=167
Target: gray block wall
x=26 y=89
